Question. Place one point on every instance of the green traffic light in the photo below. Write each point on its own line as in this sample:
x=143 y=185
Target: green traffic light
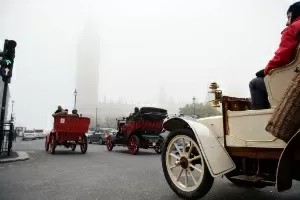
x=8 y=62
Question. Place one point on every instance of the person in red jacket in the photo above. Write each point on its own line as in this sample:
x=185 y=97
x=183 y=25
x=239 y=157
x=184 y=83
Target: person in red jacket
x=284 y=55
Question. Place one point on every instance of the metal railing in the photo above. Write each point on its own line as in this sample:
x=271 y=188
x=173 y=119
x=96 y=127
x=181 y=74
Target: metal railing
x=6 y=138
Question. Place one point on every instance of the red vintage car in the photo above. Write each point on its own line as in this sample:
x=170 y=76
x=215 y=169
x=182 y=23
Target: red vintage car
x=141 y=129
x=68 y=131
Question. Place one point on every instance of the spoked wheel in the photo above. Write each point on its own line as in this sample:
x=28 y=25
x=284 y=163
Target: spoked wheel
x=109 y=144
x=73 y=147
x=133 y=144
x=84 y=145
x=186 y=173
x=52 y=143
x=46 y=145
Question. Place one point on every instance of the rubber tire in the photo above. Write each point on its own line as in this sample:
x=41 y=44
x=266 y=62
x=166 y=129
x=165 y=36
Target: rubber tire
x=112 y=146
x=100 y=141
x=138 y=144
x=83 y=151
x=90 y=141
x=207 y=180
x=73 y=147
x=46 y=146
x=52 y=136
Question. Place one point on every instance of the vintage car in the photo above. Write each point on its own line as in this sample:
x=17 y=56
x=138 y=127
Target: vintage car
x=68 y=131
x=141 y=129
x=234 y=145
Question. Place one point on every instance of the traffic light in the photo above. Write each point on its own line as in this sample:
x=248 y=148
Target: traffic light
x=7 y=62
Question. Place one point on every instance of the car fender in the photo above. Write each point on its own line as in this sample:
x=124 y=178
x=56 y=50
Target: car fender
x=284 y=175
x=217 y=158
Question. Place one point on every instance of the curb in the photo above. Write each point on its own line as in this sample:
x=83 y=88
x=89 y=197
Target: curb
x=22 y=156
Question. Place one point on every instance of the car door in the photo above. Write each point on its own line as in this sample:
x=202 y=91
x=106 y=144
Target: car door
x=93 y=137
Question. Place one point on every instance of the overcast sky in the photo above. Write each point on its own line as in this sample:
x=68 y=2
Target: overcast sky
x=182 y=45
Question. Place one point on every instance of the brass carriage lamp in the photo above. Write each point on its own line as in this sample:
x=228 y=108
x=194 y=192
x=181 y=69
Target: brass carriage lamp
x=216 y=97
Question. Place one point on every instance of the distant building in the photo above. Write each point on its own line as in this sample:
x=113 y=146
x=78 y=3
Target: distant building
x=88 y=60
x=7 y=98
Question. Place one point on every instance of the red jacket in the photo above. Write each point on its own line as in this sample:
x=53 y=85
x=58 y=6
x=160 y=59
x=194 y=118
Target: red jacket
x=288 y=45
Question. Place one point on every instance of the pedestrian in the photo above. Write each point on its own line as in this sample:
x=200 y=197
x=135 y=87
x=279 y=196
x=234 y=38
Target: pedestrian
x=15 y=135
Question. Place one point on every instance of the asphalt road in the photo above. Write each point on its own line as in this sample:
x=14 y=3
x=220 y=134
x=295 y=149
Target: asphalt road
x=100 y=174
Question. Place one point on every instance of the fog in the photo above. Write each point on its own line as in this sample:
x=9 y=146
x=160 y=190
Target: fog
x=134 y=49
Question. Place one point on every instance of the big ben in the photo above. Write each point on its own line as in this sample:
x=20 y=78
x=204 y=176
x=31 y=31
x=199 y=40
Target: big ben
x=87 y=75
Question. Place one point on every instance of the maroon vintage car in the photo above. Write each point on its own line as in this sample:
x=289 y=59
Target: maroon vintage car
x=141 y=129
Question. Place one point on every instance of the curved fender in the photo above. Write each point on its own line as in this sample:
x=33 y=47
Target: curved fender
x=218 y=160
x=284 y=174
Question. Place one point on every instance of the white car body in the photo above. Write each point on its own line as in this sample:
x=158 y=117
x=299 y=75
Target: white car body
x=236 y=144
x=40 y=133
x=29 y=135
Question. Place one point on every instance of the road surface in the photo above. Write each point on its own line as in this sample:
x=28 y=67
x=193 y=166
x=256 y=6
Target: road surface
x=100 y=174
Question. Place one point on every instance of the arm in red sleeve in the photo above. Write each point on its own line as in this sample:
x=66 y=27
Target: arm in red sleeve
x=285 y=52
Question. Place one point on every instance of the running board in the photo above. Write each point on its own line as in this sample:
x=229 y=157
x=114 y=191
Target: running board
x=254 y=179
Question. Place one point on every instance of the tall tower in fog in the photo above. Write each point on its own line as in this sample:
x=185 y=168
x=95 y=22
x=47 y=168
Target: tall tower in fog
x=162 y=96
x=88 y=60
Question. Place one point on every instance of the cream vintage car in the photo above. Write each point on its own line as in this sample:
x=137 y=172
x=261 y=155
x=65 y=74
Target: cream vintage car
x=235 y=144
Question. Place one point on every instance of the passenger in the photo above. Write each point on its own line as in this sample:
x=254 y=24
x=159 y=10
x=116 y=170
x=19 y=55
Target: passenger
x=283 y=56
x=74 y=112
x=60 y=111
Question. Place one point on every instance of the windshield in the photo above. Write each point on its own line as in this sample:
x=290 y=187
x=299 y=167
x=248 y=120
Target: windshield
x=39 y=131
x=29 y=131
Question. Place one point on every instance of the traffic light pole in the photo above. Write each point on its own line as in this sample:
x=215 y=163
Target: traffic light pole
x=2 y=119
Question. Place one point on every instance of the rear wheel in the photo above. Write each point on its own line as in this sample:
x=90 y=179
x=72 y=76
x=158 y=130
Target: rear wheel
x=133 y=144
x=109 y=144
x=73 y=147
x=186 y=173
x=84 y=145
x=46 y=145
x=52 y=143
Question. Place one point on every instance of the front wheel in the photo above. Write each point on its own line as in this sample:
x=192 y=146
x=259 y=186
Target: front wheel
x=109 y=144
x=133 y=144
x=84 y=145
x=184 y=166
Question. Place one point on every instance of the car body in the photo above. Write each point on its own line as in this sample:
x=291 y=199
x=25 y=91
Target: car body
x=236 y=144
x=40 y=133
x=100 y=135
x=140 y=130
x=29 y=135
x=68 y=131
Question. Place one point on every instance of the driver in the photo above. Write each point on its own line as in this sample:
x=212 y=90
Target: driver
x=283 y=56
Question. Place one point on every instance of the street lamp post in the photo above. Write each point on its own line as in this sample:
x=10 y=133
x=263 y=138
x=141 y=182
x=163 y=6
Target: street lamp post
x=12 y=111
x=194 y=102
x=96 y=118
x=75 y=94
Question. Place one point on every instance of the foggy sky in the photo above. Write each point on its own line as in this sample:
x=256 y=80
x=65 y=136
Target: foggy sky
x=182 y=45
